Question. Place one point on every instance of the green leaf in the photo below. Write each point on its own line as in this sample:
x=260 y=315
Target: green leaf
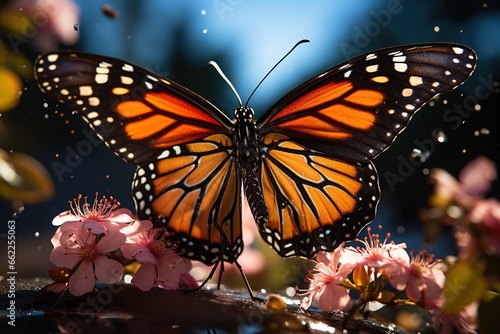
x=465 y=283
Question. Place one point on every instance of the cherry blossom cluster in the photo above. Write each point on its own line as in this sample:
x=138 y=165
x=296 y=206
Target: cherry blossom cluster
x=383 y=274
x=99 y=241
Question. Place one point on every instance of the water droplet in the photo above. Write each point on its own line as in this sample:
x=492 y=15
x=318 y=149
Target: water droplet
x=419 y=155
x=45 y=105
x=76 y=27
x=483 y=132
x=37 y=234
x=445 y=101
x=436 y=29
x=203 y=12
x=477 y=107
x=205 y=30
x=439 y=135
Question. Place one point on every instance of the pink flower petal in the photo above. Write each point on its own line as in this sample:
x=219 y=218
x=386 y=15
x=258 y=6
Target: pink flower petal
x=476 y=177
x=334 y=298
x=64 y=217
x=108 y=271
x=72 y=225
x=61 y=256
x=136 y=227
x=82 y=280
x=122 y=216
x=144 y=278
x=168 y=277
x=110 y=242
x=188 y=282
x=95 y=227
x=130 y=250
x=146 y=256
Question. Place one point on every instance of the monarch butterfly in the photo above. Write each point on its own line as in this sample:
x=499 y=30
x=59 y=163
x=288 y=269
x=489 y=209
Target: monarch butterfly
x=305 y=166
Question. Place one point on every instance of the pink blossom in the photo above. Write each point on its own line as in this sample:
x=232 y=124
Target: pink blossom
x=463 y=322
x=326 y=282
x=422 y=280
x=375 y=254
x=474 y=180
x=161 y=265
x=58 y=18
x=80 y=249
x=487 y=212
x=103 y=215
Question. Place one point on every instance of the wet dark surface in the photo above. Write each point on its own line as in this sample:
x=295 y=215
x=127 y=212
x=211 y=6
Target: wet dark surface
x=125 y=309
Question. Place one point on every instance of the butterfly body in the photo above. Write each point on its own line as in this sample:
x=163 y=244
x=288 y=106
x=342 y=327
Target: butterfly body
x=305 y=166
x=249 y=153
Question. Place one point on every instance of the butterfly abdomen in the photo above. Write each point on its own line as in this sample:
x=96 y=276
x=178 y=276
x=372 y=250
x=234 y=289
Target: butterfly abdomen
x=249 y=158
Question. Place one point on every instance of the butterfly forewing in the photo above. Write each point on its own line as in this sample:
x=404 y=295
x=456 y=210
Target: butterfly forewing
x=355 y=110
x=135 y=112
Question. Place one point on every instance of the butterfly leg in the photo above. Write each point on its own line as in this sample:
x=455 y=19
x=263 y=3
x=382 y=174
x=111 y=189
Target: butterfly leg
x=233 y=258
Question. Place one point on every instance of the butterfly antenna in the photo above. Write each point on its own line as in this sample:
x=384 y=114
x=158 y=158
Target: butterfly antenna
x=305 y=40
x=217 y=68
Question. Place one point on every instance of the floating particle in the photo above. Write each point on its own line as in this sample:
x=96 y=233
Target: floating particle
x=203 y=12
x=436 y=29
x=205 y=30
x=483 y=132
x=109 y=11
x=439 y=135
x=76 y=27
x=477 y=107
x=418 y=155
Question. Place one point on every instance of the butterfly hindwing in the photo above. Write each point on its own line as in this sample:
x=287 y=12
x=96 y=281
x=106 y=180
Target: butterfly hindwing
x=137 y=113
x=190 y=188
x=315 y=201
x=355 y=111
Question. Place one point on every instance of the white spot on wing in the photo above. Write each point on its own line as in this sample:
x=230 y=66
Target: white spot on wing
x=85 y=91
x=128 y=68
x=400 y=67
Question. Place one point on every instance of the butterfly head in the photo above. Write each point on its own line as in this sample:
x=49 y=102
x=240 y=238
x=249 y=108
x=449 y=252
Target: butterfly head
x=244 y=114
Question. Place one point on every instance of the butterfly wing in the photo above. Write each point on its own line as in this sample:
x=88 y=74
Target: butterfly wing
x=179 y=141
x=137 y=113
x=194 y=189
x=345 y=117
x=355 y=110
x=315 y=201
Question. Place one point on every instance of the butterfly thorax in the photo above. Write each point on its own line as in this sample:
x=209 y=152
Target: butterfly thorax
x=246 y=139
x=248 y=154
